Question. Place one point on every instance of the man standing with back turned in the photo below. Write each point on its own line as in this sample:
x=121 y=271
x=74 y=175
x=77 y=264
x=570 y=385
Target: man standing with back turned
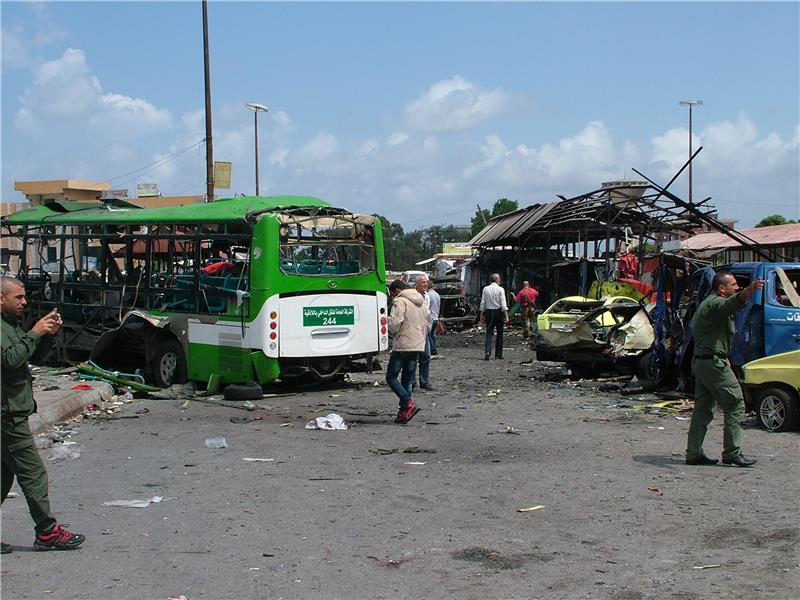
x=714 y=380
x=20 y=457
x=494 y=312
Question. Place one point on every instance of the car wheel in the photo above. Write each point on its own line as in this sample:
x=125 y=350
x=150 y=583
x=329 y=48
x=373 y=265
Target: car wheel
x=169 y=363
x=777 y=409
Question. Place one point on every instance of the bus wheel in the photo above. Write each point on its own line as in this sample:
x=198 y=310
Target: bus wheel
x=169 y=363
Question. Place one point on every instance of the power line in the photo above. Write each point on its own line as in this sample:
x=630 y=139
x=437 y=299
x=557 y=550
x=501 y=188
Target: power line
x=152 y=166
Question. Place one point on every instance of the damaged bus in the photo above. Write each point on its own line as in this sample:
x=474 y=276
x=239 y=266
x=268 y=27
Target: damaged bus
x=232 y=291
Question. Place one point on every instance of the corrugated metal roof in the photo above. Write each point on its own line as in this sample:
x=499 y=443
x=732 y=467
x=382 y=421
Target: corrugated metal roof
x=775 y=235
x=593 y=216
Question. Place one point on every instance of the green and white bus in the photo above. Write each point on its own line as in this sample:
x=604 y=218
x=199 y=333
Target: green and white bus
x=231 y=291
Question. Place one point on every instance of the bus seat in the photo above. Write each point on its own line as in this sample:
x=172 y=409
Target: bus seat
x=348 y=266
x=287 y=264
x=309 y=267
x=331 y=268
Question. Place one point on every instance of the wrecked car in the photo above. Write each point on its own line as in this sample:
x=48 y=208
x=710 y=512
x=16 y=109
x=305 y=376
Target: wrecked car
x=616 y=336
x=457 y=311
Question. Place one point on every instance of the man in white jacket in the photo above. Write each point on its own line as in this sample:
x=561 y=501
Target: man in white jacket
x=409 y=322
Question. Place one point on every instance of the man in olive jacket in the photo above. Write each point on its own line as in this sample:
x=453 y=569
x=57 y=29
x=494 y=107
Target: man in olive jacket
x=714 y=380
x=20 y=457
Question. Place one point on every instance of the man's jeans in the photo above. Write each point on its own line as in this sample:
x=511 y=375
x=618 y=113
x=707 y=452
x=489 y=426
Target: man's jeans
x=425 y=364
x=432 y=339
x=405 y=362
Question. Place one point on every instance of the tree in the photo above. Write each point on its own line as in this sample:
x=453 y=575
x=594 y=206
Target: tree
x=504 y=206
x=774 y=220
x=479 y=221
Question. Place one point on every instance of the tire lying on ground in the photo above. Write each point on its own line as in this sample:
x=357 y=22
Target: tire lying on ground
x=248 y=391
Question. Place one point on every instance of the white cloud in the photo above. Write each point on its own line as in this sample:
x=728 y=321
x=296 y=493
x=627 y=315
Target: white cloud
x=322 y=147
x=454 y=105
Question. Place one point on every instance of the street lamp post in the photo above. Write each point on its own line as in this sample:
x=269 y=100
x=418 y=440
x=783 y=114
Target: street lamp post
x=690 y=104
x=256 y=108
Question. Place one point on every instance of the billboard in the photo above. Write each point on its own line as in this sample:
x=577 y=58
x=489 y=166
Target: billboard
x=222 y=175
x=145 y=190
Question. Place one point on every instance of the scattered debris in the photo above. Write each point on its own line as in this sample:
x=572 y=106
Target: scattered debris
x=330 y=422
x=383 y=451
x=238 y=420
x=656 y=489
x=418 y=450
x=144 y=503
x=415 y=462
x=700 y=568
x=258 y=459
x=217 y=442
x=531 y=508
x=66 y=451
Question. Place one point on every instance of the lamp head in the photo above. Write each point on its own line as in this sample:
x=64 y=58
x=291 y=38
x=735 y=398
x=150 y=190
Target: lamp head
x=256 y=107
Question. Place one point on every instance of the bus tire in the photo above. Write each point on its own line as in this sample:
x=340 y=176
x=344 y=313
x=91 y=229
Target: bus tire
x=168 y=365
x=248 y=391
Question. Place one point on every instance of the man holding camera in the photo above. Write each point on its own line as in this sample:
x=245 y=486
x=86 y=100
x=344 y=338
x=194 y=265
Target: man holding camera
x=20 y=458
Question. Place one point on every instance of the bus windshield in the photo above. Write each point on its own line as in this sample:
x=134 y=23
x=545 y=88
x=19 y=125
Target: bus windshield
x=327 y=246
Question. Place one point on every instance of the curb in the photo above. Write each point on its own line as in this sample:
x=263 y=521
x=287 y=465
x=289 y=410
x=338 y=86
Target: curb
x=70 y=404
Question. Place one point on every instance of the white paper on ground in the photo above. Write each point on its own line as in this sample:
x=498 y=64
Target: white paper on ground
x=331 y=422
x=133 y=503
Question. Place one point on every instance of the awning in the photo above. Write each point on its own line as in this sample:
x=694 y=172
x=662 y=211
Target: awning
x=427 y=260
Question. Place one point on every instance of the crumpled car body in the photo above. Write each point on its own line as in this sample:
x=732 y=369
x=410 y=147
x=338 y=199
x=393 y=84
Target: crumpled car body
x=568 y=310
x=617 y=335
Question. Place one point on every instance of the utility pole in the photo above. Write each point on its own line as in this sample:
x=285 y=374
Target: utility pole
x=690 y=104
x=209 y=145
x=483 y=216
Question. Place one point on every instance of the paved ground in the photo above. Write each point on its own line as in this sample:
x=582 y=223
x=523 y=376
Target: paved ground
x=344 y=514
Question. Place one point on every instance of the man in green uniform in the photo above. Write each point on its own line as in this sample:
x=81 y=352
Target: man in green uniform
x=715 y=382
x=20 y=457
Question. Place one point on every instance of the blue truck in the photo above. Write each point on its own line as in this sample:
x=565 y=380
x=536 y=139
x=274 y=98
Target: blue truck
x=768 y=325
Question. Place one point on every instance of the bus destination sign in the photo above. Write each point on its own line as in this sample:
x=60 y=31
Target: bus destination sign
x=328 y=315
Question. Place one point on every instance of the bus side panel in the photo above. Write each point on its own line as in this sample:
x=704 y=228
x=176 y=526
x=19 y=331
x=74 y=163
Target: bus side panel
x=328 y=325
x=232 y=364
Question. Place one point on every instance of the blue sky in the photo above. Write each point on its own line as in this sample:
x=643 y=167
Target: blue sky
x=417 y=111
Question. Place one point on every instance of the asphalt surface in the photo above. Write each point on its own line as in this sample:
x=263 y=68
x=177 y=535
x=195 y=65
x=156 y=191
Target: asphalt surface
x=346 y=514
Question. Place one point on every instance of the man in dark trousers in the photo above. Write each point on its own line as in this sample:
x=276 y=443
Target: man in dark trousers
x=20 y=457
x=714 y=381
x=494 y=312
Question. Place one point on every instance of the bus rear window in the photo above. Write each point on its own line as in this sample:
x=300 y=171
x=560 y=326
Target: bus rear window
x=327 y=246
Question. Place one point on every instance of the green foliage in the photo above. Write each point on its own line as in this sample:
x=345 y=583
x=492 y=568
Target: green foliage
x=479 y=221
x=774 y=220
x=500 y=207
x=504 y=206
x=403 y=250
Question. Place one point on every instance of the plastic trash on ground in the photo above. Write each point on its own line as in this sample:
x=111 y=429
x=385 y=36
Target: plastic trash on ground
x=143 y=503
x=217 y=442
x=65 y=452
x=330 y=422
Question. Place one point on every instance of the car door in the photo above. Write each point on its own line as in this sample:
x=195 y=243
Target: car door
x=781 y=309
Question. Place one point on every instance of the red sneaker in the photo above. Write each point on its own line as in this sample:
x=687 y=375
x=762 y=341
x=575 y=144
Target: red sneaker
x=404 y=415
x=58 y=539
